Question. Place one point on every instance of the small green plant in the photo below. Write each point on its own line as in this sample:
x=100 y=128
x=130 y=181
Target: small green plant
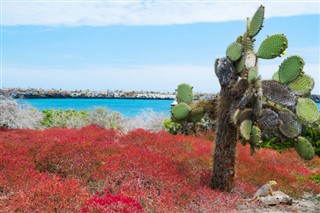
x=315 y=178
x=172 y=127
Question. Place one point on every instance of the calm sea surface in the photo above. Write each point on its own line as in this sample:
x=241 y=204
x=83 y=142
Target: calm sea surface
x=127 y=107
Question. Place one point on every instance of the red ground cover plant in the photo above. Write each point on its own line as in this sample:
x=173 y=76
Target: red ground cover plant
x=98 y=170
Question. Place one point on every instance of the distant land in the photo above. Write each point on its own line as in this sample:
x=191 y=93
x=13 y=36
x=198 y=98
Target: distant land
x=17 y=93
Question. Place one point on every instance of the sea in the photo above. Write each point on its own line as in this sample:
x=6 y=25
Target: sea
x=127 y=107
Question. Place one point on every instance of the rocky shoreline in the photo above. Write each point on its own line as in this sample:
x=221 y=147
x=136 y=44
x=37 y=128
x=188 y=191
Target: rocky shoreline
x=17 y=93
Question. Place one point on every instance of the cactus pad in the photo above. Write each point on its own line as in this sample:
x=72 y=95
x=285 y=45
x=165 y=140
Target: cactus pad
x=273 y=46
x=256 y=134
x=307 y=110
x=290 y=69
x=240 y=64
x=302 y=85
x=289 y=127
x=245 y=129
x=304 y=148
x=268 y=120
x=234 y=51
x=275 y=76
x=196 y=114
x=256 y=22
x=235 y=116
x=246 y=99
x=181 y=111
x=253 y=75
x=184 y=93
x=278 y=93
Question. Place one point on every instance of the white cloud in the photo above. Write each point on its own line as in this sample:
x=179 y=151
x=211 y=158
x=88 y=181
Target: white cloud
x=103 y=13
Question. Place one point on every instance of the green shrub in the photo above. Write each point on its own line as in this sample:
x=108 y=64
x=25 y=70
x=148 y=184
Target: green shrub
x=312 y=133
x=171 y=127
x=315 y=178
x=65 y=118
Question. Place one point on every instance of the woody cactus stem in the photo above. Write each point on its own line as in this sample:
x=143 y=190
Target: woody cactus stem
x=250 y=107
x=225 y=146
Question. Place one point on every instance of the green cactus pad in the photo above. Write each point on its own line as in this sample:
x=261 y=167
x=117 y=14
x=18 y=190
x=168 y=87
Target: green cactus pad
x=307 y=110
x=196 y=114
x=304 y=148
x=253 y=75
x=256 y=135
x=273 y=46
x=256 y=22
x=216 y=67
x=289 y=127
x=302 y=85
x=268 y=120
x=245 y=129
x=290 y=69
x=181 y=111
x=275 y=76
x=278 y=93
x=184 y=93
x=234 y=51
x=240 y=64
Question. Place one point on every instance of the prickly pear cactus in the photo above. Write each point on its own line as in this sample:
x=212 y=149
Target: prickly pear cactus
x=186 y=110
x=279 y=106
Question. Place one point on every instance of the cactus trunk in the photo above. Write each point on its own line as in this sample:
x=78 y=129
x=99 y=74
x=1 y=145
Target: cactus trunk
x=225 y=147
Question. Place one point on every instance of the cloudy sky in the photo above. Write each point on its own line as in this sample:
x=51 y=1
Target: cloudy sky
x=142 y=45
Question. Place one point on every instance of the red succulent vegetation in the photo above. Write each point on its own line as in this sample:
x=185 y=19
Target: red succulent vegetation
x=98 y=170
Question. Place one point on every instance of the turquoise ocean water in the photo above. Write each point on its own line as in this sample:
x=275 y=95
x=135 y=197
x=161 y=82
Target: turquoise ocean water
x=127 y=107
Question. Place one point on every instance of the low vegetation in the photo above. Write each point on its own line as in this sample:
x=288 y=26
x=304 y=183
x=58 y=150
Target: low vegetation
x=17 y=116
x=93 y=169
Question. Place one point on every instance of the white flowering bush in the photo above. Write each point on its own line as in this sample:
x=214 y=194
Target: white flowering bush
x=147 y=119
x=15 y=116
x=105 y=118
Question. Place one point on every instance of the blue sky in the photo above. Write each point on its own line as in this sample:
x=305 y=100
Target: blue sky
x=142 y=45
